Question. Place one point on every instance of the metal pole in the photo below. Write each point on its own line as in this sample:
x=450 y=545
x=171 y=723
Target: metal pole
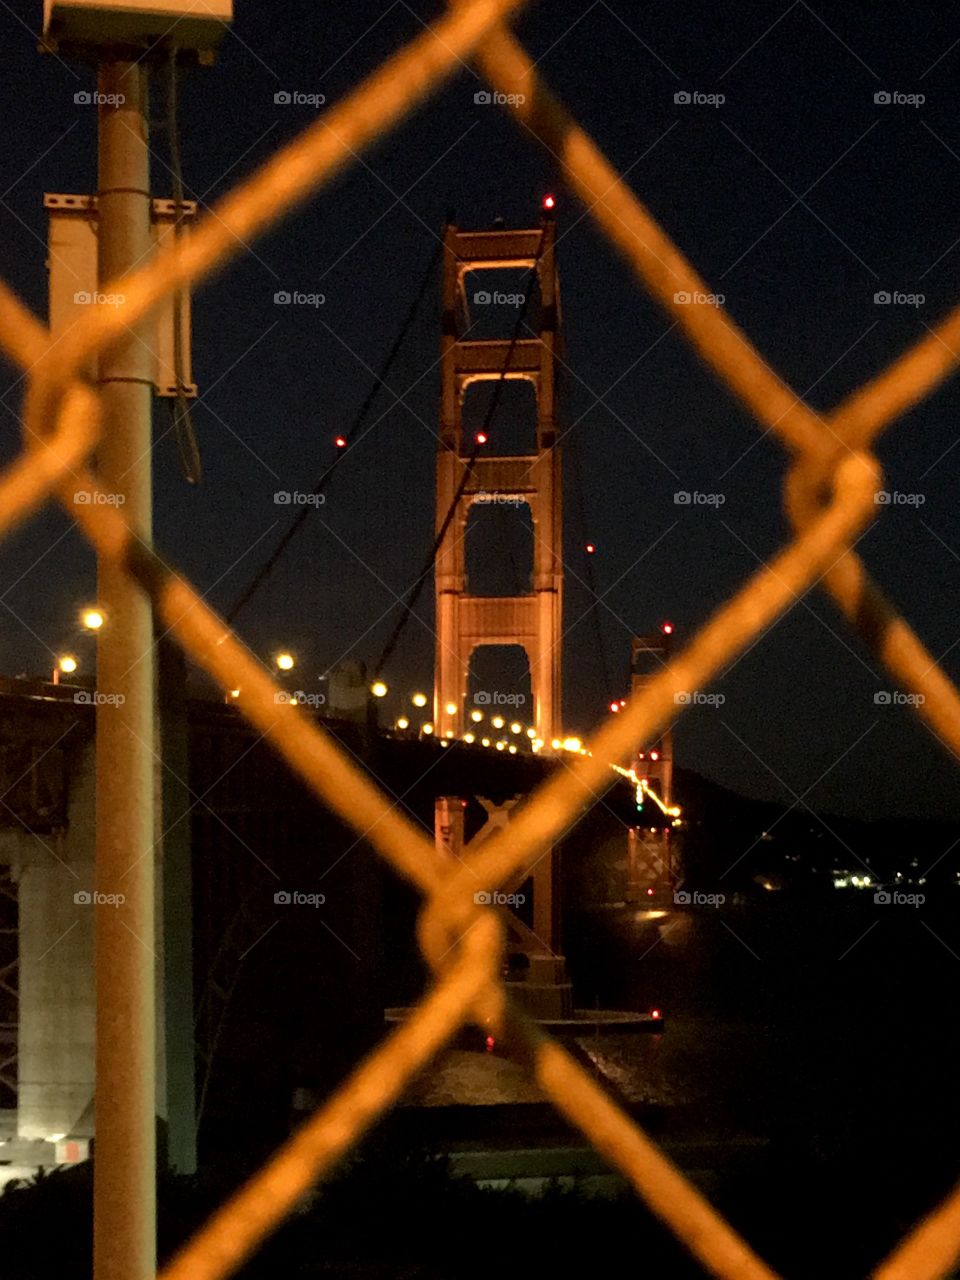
x=125 y=1163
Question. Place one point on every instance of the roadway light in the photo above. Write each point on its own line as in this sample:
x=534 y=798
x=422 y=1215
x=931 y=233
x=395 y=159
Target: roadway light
x=531 y=734
x=476 y=716
x=428 y=728
x=451 y=708
x=516 y=727
x=379 y=689
x=419 y=699
x=469 y=737
x=512 y=748
x=501 y=745
x=92 y=619
x=403 y=723
x=497 y=722
x=484 y=742
x=572 y=744
x=67 y=664
x=285 y=661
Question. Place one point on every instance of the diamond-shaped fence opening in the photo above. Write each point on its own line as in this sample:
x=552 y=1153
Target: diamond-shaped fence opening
x=829 y=497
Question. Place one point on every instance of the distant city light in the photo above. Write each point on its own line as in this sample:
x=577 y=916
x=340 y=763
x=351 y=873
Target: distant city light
x=572 y=744
x=516 y=727
x=497 y=722
x=451 y=708
x=469 y=737
x=556 y=744
x=484 y=742
x=655 y=1013
x=403 y=723
x=92 y=619
x=501 y=745
x=531 y=734
x=428 y=728
x=476 y=716
x=67 y=664
x=285 y=661
x=512 y=748
x=419 y=699
x=379 y=689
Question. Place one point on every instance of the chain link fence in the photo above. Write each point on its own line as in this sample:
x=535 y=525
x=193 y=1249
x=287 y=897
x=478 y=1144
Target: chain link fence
x=829 y=495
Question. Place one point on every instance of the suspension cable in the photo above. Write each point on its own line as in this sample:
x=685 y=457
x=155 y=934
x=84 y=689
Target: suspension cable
x=378 y=382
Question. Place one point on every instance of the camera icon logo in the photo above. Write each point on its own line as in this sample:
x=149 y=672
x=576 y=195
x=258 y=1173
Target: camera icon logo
x=682 y=498
x=282 y=98
x=682 y=697
x=682 y=97
x=483 y=97
x=882 y=298
x=682 y=297
x=83 y=696
x=682 y=898
x=83 y=98
x=83 y=299
x=882 y=498
x=282 y=498
x=482 y=698
x=883 y=698
x=282 y=698
x=482 y=298
x=882 y=98
x=483 y=898
x=82 y=496
x=83 y=898
x=282 y=299
x=882 y=897
x=282 y=897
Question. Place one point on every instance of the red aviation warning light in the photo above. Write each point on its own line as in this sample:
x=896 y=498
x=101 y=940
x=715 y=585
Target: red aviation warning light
x=590 y=548
x=341 y=442
x=667 y=628
x=481 y=437
x=549 y=202
x=614 y=706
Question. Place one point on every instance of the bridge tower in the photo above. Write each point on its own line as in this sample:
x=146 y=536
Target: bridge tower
x=533 y=620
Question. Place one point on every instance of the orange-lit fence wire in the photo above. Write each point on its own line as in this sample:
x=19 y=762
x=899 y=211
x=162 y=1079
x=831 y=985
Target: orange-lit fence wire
x=829 y=497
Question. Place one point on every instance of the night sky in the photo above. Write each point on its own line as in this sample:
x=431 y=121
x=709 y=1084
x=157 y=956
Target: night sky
x=798 y=198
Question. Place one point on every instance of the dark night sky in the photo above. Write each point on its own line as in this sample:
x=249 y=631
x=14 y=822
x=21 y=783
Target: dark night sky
x=798 y=199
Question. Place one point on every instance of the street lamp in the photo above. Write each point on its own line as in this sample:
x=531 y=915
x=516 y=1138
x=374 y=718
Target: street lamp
x=285 y=661
x=379 y=689
x=92 y=618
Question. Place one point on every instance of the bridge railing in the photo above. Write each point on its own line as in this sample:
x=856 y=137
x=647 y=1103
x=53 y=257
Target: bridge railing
x=829 y=494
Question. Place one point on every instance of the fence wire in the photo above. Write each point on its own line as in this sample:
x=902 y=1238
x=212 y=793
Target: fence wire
x=829 y=498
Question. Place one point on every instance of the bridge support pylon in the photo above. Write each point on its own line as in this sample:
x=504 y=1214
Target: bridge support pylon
x=465 y=622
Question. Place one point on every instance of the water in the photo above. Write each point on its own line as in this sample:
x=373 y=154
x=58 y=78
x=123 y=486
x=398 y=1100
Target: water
x=820 y=1035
